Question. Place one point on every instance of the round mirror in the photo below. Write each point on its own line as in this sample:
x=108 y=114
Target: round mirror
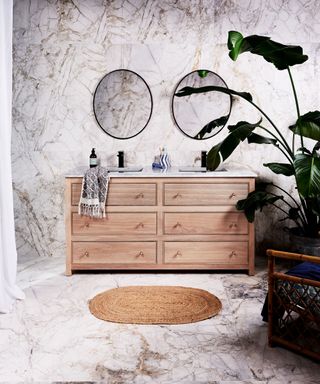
x=122 y=104
x=202 y=115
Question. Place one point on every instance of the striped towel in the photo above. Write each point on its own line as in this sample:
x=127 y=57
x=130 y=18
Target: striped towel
x=94 y=192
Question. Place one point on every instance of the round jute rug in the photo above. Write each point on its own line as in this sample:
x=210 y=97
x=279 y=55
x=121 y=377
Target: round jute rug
x=154 y=305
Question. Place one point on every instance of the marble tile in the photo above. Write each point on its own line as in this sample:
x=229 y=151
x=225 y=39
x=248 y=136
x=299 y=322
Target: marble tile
x=52 y=336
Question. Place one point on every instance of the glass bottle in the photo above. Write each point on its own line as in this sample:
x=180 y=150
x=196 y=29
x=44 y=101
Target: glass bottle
x=93 y=160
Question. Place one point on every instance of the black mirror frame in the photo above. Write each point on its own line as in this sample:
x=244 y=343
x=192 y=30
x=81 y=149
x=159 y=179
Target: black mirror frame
x=151 y=104
x=172 y=104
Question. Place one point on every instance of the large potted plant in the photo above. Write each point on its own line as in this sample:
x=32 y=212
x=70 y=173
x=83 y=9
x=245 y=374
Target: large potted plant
x=301 y=159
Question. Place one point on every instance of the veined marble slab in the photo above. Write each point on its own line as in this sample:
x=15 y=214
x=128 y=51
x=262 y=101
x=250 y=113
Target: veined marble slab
x=51 y=336
x=171 y=172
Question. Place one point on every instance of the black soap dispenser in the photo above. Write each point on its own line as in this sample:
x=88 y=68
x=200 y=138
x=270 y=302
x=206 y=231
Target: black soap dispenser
x=93 y=160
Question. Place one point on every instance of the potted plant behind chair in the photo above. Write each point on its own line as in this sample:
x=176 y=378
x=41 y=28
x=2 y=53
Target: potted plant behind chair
x=301 y=162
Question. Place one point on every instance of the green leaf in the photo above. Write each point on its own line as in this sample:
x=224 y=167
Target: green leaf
x=281 y=168
x=202 y=73
x=314 y=205
x=234 y=44
x=242 y=125
x=316 y=148
x=186 y=91
x=307 y=169
x=280 y=55
x=224 y=149
x=308 y=125
x=255 y=200
x=258 y=139
x=220 y=122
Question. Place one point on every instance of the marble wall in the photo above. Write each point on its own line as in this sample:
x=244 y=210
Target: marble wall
x=62 y=48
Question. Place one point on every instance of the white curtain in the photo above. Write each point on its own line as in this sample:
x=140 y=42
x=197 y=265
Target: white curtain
x=8 y=253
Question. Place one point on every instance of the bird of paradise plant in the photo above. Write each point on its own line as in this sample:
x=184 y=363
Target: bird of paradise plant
x=301 y=162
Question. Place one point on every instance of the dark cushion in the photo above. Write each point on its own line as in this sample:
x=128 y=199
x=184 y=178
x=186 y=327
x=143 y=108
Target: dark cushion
x=301 y=295
x=306 y=270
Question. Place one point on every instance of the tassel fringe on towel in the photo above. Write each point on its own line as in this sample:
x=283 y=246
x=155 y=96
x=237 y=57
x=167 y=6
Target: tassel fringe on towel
x=94 y=192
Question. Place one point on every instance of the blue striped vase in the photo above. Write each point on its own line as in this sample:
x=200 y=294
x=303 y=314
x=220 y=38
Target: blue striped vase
x=164 y=161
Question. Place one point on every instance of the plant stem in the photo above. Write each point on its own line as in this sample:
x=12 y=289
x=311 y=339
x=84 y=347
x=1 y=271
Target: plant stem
x=287 y=193
x=281 y=209
x=290 y=161
x=289 y=205
x=293 y=136
x=276 y=206
x=305 y=210
x=297 y=107
x=274 y=126
x=294 y=93
x=303 y=214
x=280 y=142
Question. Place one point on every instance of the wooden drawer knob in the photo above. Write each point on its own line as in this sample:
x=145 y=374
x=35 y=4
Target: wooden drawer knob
x=140 y=254
x=140 y=195
x=177 y=254
x=140 y=225
x=87 y=225
x=177 y=195
x=232 y=195
x=177 y=225
x=86 y=254
x=232 y=254
x=233 y=225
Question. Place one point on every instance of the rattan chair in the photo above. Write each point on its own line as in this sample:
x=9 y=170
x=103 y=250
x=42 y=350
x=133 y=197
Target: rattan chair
x=294 y=306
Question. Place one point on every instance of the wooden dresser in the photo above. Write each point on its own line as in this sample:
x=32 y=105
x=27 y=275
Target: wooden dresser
x=162 y=222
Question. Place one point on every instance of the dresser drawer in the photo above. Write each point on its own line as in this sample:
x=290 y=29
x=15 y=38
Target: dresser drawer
x=204 y=194
x=116 y=223
x=123 y=194
x=205 y=223
x=112 y=252
x=206 y=252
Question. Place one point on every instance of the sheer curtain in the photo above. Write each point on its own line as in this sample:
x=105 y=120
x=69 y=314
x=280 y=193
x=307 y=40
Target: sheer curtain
x=8 y=253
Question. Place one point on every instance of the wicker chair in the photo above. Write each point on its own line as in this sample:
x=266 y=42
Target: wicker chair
x=293 y=307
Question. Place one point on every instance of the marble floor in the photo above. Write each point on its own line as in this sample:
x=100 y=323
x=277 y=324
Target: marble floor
x=52 y=337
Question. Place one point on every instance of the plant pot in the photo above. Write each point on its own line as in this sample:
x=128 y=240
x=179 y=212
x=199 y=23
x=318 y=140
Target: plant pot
x=305 y=245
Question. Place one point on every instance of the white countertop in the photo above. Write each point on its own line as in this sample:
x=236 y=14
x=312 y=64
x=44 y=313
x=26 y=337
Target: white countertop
x=171 y=172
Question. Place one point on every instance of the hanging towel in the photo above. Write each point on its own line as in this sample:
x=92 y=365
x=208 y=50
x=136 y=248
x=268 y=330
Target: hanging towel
x=94 y=192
